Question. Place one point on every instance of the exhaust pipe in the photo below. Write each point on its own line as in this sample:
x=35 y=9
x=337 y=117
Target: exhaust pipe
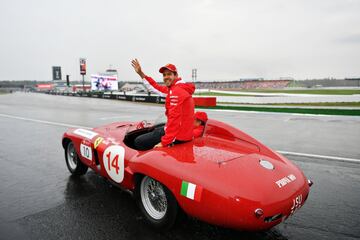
x=310 y=182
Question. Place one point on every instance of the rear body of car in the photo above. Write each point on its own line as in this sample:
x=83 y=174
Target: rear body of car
x=225 y=177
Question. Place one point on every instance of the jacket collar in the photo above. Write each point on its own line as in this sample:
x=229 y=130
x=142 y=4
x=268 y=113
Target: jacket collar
x=176 y=81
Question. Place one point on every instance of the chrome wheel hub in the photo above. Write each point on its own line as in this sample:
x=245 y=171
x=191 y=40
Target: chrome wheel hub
x=153 y=198
x=71 y=156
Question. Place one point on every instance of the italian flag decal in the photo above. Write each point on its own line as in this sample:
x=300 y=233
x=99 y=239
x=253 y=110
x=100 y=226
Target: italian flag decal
x=191 y=191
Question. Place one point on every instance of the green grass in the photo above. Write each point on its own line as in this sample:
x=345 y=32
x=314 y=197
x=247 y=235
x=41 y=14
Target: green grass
x=307 y=91
x=319 y=104
x=325 y=104
x=223 y=94
x=324 y=111
x=295 y=91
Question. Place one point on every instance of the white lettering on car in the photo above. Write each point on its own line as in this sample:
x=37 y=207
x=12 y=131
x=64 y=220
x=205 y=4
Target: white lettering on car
x=284 y=181
x=85 y=133
x=113 y=160
x=86 y=151
x=297 y=201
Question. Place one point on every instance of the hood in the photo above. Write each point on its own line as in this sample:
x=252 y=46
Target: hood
x=188 y=87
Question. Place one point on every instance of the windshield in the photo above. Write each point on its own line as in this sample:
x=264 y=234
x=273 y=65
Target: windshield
x=161 y=119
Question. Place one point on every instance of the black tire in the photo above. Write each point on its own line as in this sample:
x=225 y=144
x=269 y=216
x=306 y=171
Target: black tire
x=164 y=222
x=73 y=163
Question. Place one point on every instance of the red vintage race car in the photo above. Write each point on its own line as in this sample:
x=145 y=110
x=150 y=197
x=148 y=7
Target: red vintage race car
x=225 y=177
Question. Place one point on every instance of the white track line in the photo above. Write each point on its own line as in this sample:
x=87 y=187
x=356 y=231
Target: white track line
x=114 y=117
x=274 y=113
x=342 y=159
x=42 y=121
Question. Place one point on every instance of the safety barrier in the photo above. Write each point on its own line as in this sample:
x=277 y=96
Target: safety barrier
x=205 y=101
x=199 y=101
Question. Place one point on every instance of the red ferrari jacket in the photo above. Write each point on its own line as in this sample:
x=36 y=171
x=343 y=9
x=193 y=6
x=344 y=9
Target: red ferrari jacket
x=179 y=106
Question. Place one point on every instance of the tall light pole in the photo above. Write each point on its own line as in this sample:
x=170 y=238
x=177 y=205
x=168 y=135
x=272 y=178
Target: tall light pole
x=194 y=74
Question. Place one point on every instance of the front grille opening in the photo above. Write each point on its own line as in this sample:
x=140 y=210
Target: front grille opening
x=273 y=218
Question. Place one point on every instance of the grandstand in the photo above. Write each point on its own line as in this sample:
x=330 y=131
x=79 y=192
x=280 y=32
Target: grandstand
x=246 y=84
x=249 y=83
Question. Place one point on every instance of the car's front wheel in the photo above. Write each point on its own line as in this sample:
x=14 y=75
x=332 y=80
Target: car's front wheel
x=73 y=163
x=156 y=202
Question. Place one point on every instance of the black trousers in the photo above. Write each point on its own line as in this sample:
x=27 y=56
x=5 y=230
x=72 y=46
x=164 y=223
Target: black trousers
x=149 y=140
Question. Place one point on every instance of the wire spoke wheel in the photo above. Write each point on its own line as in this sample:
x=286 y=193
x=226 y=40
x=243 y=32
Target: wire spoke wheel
x=71 y=156
x=153 y=198
x=73 y=163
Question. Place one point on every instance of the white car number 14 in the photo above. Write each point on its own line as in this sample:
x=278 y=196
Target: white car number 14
x=113 y=160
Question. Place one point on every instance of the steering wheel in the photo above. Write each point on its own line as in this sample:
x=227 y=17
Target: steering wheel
x=142 y=124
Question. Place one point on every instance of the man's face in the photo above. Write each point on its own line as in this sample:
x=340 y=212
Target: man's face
x=169 y=77
x=197 y=123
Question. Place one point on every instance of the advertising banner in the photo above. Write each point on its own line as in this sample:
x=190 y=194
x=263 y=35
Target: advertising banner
x=82 y=66
x=56 y=72
x=104 y=82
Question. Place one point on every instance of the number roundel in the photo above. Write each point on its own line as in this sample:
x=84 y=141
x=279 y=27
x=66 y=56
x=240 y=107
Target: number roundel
x=113 y=159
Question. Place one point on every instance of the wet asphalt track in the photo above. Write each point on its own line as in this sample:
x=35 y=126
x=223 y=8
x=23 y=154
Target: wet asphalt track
x=39 y=199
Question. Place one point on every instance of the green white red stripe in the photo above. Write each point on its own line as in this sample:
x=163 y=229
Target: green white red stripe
x=191 y=191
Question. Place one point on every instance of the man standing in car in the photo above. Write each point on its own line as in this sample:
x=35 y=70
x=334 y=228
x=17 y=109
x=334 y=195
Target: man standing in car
x=179 y=106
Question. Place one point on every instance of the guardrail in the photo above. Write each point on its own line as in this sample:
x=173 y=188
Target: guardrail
x=199 y=101
x=116 y=96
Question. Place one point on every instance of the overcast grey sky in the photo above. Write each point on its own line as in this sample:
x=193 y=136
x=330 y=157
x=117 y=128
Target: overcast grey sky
x=223 y=39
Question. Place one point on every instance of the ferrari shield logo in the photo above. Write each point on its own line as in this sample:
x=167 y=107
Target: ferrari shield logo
x=97 y=142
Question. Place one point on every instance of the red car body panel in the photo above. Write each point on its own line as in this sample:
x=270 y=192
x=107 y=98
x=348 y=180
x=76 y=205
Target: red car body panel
x=224 y=163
